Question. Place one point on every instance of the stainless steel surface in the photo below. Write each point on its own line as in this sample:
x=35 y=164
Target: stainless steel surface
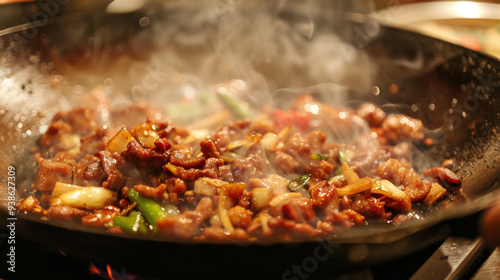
x=452 y=260
x=490 y=268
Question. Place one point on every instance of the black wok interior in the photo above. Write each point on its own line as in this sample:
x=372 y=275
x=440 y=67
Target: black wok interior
x=440 y=74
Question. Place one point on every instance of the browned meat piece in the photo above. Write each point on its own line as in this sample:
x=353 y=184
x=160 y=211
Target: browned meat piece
x=444 y=174
x=401 y=127
x=89 y=171
x=225 y=173
x=418 y=190
x=50 y=172
x=245 y=198
x=316 y=139
x=162 y=145
x=319 y=169
x=346 y=218
x=176 y=188
x=93 y=142
x=187 y=224
x=145 y=190
x=53 y=134
x=322 y=195
x=143 y=157
x=394 y=171
x=367 y=205
x=276 y=183
x=100 y=217
x=297 y=146
x=209 y=149
x=115 y=178
x=249 y=167
x=371 y=113
x=81 y=120
x=65 y=212
x=240 y=217
x=299 y=209
x=285 y=163
x=210 y=169
x=185 y=160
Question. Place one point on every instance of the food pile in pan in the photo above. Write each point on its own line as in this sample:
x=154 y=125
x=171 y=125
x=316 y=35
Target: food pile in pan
x=233 y=175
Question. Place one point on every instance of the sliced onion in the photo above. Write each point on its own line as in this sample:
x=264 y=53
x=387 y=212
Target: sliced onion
x=388 y=189
x=82 y=197
x=349 y=174
x=278 y=199
x=118 y=143
x=224 y=217
x=360 y=185
x=260 y=198
x=245 y=143
x=207 y=186
x=435 y=193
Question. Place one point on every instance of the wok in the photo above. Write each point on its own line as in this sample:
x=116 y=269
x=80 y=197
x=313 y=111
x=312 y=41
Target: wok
x=453 y=90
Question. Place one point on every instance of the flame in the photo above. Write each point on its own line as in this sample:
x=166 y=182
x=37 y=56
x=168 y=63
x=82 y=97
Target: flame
x=110 y=273
x=93 y=270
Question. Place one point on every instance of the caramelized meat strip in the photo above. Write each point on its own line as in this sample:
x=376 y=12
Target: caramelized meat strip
x=65 y=212
x=115 y=178
x=50 y=172
x=143 y=157
x=394 y=171
x=209 y=149
x=418 y=190
x=297 y=146
x=367 y=205
x=444 y=174
x=185 y=160
x=210 y=170
x=145 y=190
x=100 y=217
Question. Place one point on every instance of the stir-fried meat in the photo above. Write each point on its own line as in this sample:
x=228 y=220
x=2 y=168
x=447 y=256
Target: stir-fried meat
x=287 y=175
x=393 y=170
x=115 y=177
x=50 y=172
x=401 y=127
x=444 y=174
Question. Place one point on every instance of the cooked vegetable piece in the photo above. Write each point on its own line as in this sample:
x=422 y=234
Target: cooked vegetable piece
x=260 y=197
x=388 y=189
x=299 y=182
x=434 y=194
x=132 y=224
x=82 y=197
x=318 y=156
x=360 y=185
x=118 y=143
x=237 y=107
x=151 y=210
x=343 y=158
x=146 y=135
x=350 y=176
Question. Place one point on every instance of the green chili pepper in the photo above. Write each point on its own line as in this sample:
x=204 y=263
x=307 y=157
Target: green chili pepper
x=151 y=210
x=299 y=182
x=343 y=158
x=133 y=224
x=318 y=156
x=237 y=107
